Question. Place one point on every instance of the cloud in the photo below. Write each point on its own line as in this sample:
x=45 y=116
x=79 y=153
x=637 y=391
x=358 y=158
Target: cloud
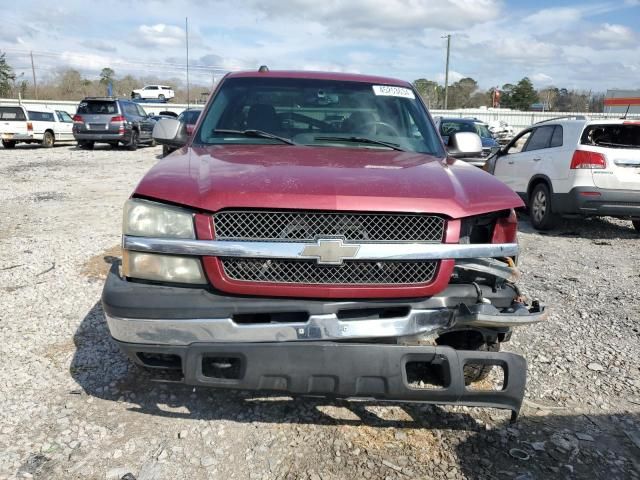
x=614 y=36
x=453 y=77
x=552 y=19
x=494 y=41
x=85 y=61
x=159 y=35
x=375 y=17
x=101 y=46
x=541 y=79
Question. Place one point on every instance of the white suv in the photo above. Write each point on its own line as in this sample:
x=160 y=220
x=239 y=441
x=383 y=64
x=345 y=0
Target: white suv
x=574 y=167
x=155 y=92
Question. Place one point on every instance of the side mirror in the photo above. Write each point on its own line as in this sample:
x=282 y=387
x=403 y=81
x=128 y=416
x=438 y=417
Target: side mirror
x=464 y=145
x=170 y=132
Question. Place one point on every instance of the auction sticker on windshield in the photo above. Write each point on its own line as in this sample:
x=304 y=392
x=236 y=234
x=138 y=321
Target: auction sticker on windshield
x=391 y=91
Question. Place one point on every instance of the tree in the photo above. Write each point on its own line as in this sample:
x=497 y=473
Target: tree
x=106 y=76
x=6 y=77
x=523 y=95
x=461 y=91
x=505 y=95
x=549 y=98
x=70 y=83
x=480 y=99
x=430 y=91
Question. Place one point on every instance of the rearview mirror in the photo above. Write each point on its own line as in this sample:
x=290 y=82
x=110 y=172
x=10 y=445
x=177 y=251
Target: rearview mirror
x=169 y=131
x=464 y=145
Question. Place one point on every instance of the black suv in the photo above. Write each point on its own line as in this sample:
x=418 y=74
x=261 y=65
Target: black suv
x=113 y=121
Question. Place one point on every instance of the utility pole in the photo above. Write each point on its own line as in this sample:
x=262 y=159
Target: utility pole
x=33 y=70
x=446 y=73
x=186 y=31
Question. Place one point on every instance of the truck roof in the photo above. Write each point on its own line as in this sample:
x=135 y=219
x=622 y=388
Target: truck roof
x=347 y=77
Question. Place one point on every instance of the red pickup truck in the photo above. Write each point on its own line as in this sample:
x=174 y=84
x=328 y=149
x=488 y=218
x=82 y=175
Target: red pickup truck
x=313 y=236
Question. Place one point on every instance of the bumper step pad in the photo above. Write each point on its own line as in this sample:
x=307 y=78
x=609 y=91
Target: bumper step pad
x=347 y=370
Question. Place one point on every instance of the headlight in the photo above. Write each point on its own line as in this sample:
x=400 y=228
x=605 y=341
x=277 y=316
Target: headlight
x=149 y=219
x=162 y=268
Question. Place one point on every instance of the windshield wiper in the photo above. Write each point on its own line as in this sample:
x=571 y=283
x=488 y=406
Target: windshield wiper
x=256 y=134
x=371 y=141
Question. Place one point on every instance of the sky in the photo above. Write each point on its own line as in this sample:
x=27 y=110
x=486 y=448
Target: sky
x=590 y=45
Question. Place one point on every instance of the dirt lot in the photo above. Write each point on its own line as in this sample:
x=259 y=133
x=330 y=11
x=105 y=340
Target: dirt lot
x=72 y=407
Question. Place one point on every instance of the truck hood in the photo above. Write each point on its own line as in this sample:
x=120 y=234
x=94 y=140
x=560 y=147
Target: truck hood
x=323 y=178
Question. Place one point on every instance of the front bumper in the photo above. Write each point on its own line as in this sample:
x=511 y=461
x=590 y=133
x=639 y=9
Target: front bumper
x=344 y=349
x=179 y=316
x=343 y=370
x=615 y=203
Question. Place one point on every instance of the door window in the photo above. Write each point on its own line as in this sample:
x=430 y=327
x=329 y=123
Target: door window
x=64 y=116
x=556 y=139
x=41 y=116
x=141 y=111
x=541 y=138
x=130 y=109
x=518 y=145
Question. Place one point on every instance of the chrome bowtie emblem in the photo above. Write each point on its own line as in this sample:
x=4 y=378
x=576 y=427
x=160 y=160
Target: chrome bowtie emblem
x=330 y=251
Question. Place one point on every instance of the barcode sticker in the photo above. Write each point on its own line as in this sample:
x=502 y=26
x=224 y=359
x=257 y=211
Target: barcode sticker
x=391 y=91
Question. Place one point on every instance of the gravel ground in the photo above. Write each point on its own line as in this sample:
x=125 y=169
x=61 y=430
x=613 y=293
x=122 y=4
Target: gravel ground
x=72 y=407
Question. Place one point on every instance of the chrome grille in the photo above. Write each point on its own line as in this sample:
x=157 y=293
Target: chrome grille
x=307 y=226
x=354 y=272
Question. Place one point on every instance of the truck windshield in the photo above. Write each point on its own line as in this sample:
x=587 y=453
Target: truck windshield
x=319 y=112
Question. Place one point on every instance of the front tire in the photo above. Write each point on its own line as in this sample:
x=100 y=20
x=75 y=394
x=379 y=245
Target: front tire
x=636 y=225
x=540 y=214
x=161 y=97
x=470 y=340
x=133 y=143
x=48 y=139
x=9 y=144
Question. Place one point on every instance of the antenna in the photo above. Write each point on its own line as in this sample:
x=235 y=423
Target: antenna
x=627 y=112
x=186 y=32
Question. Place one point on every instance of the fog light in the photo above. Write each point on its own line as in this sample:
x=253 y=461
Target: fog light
x=162 y=268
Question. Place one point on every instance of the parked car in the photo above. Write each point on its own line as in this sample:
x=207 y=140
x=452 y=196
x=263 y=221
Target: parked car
x=189 y=118
x=156 y=92
x=501 y=131
x=448 y=126
x=574 y=167
x=313 y=237
x=33 y=124
x=112 y=120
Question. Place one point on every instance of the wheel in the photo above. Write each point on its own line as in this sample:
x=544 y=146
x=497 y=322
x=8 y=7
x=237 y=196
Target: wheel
x=133 y=143
x=152 y=143
x=476 y=372
x=161 y=97
x=87 y=145
x=9 y=143
x=166 y=150
x=542 y=218
x=470 y=340
x=48 y=139
x=636 y=225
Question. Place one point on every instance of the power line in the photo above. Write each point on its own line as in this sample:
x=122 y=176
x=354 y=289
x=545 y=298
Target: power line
x=232 y=65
